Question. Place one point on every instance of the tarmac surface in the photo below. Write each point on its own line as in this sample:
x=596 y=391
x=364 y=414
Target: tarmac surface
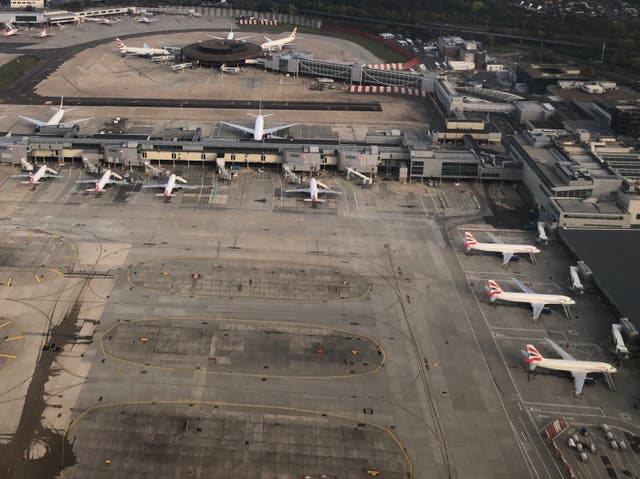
x=237 y=329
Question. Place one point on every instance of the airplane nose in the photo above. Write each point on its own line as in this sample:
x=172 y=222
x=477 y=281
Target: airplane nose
x=613 y=370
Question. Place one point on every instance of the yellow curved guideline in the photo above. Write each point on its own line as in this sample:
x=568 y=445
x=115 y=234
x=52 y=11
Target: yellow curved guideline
x=105 y=352
x=283 y=409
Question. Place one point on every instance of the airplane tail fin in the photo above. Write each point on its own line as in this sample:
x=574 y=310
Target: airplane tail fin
x=121 y=45
x=533 y=356
x=493 y=289
x=293 y=33
x=469 y=240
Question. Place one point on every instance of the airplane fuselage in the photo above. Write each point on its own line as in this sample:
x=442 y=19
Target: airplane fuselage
x=313 y=190
x=37 y=176
x=104 y=180
x=532 y=298
x=504 y=248
x=57 y=118
x=274 y=45
x=171 y=184
x=258 y=128
x=574 y=366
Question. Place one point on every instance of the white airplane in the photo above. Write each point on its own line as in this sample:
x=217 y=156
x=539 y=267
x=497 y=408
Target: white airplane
x=259 y=131
x=272 y=45
x=146 y=20
x=104 y=180
x=9 y=33
x=507 y=250
x=578 y=369
x=537 y=301
x=56 y=119
x=101 y=20
x=231 y=36
x=145 y=51
x=313 y=191
x=34 y=178
x=43 y=34
x=174 y=182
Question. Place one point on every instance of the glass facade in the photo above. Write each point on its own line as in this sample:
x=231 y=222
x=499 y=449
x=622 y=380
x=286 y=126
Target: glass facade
x=460 y=169
x=324 y=69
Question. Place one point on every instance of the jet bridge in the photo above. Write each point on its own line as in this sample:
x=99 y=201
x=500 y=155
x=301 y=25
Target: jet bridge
x=291 y=176
x=365 y=179
x=226 y=174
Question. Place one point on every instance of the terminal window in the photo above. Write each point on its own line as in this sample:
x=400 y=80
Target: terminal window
x=417 y=168
x=459 y=169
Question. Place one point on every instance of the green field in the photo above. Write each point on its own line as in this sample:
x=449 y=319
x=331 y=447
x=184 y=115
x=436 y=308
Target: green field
x=16 y=68
x=379 y=50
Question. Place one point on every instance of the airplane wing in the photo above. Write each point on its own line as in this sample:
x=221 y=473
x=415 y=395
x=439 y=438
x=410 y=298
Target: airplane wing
x=537 y=309
x=67 y=124
x=268 y=39
x=329 y=192
x=19 y=176
x=269 y=131
x=299 y=190
x=118 y=182
x=86 y=181
x=146 y=47
x=179 y=186
x=217 y=38
x=34 y=121
x=506 y=257
x=158 y=185
x=561 y=352
x=522 y=286
x=578 y=380
x=241 y=128
x=494 y=239
x=242 y=39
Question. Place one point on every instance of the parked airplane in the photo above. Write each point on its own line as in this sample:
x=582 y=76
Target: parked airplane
x=101 y=20
x=231 y=36
x=537 y=301
x=9 y=33
x=43 y=34
x=56 y=119
x=34 y=178
x=578 y=369
x=104 y=180
x=145 y=51
x=174 y=182
x=259 y=131
x=146 y=20
x=507 y=250
x=313 y=191
x=272 y=45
